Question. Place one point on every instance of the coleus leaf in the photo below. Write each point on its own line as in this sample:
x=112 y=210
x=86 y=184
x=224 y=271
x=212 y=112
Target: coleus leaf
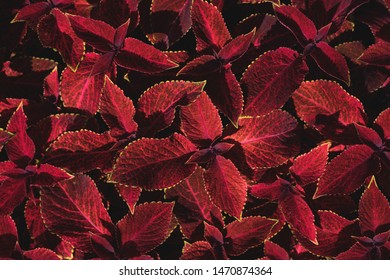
x=40 y=254
x=374 y=210
x=146 y=229
x=276 y=73
x=20 y=149
x=55 y=31
x=117 y=12
x=368 y=136
x=273 y=251
x=157 y=105
x=267 y=140
x=247 y=233
x=8 y=236
x=377 y=54
x=81 y=151
x=4 y=137
x=169 y=20
x=129 y=194
x=102 y=247
x=145 y=163
x=347 y=172
x=382 y=122
x=200 y=250
x=80 y=89
x=12 y=193
x=200 y=66
x=51 y=86
x=308 y=168
x=32 y=12
x=200 y=121
x=48 y=175
x=209 y=26
x=117 y=110
x=326 y=106
x=193 y=204
x=73 y=209
x=227 y=188
x=236 y=48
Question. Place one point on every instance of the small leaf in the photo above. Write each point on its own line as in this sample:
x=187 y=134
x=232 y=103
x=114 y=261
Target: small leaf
x=200 y=250
x=271 y=79
x=51 y=86
x=146 y=162
x=5 y=136
x=236 y=48
x=48 y=175
x=201 y=66
x=226 y=187
x=146 y=229
x=8 y=236
x=274 y=252
x=383 y=122
x=129 y=194
x=247 y=233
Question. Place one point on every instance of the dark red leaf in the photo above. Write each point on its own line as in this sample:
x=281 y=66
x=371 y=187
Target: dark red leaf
x=73 y=209
x=209 y=26
x=51 y=86
x=48 y=175
x=146 y=229
x=40 y=254
x=267 y=140
x=12 y=193
x=5 y=136
x=236 y=47
x=274 y=252
x=129 y=194
x=32 y=12
x=213 y=235
x=226 y=186
x=383 y=121
x=347 y=172
x=271 y=79
x=201 y=66
x=377 y=54
x=8 y=236
x=368 y=136
x=356 y=252
x=200 y=250
x=102 y=247
x=270 y=191
x=145 y=163
x=247 y=233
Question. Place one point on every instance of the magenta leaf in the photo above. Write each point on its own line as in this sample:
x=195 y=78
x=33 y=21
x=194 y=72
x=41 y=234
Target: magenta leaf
x=145 y=163
x=8 y=236
x=226 y=187
x=267 y=140
x=54 y=31
x=73 y=209
x=146 y=229
x=287 y=70
x=247 y=233
x=347 y=172
x=117 y=110
x=209 y=27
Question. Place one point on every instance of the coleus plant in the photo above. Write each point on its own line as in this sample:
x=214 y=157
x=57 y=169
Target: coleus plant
x=195 y=130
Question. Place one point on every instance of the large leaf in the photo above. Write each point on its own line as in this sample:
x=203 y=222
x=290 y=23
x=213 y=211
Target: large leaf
x=377 y=54
x=8 y=236
x=193 y=204
x=226 y=186
x=73 y=209
x=54 y=31
x=267 y=140
x=271 y=79
x=146 y=162
x=347 y=172
x=156 y=106
x=117 y=110
x=146 y=229
x=247 y=233
x=200 y=121
x=209 y=26
x=80 y=89
x=374 y=210
x=138 y=56
x=81 y=151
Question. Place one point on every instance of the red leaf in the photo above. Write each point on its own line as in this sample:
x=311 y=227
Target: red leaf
x=138 y=56
x=170 y=20
x=236 y=47
x=274 y=252
x=48 y=175
x=54 y=31
x=146 y=229
x=193 y=204
x=356 y=252
x=226 y=187
x=51 y=86
x=374 y=210
x=129 y=194
x=5 y=136
x=20 y=148
x=12 y=193
x=73 y=209
x=270 y=191
x=200 y=121
x=8 y=236
x=116 y=12
x=32 y=12
x=326 y=106
x=80 y=89
x=102 y=247
x=81 y=151
x=225 y=92
x=331 y=61
x=200 y=250
x=383 y=121
x=213 y=235
x=40 y=254
x=377 y=54
x=309 y=167
x=209 y=26
x=267 y=140
x=368 y=136
x=95 y=33
x=302 y=27
x=200 y=66
x=298 y=215
x=117 y=110
x=271 y=79
x=347 y=172
x=247 y=233
x=157 y=105
x=146 y=162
